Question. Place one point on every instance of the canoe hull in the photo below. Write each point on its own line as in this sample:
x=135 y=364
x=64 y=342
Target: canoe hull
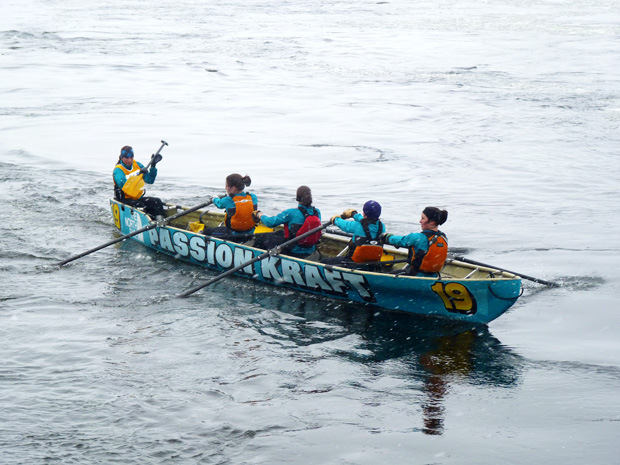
x=478 y=301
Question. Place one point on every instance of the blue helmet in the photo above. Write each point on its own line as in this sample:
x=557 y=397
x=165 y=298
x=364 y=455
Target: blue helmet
x=126 y=151
x=372 y=210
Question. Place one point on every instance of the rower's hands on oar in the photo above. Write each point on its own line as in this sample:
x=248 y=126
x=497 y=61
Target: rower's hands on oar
x=155 y=158
x=348 y=213
x=385 y=238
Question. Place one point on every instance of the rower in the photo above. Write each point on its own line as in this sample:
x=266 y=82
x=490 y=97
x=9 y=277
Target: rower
x=428 y=249
x=365 y=229
x=126 y=167
x=240 y=208
x=296 y=222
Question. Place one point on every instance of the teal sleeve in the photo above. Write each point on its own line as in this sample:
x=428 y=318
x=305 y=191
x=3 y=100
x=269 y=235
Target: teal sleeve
x=273 y=221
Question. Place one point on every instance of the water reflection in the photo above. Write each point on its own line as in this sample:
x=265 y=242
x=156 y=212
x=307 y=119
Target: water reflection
x=436 y=353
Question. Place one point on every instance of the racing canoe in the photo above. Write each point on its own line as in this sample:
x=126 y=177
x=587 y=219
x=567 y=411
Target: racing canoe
x=462 y=292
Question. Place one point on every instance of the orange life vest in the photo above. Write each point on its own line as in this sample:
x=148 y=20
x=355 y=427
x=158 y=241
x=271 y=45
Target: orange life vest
x=432 y=260
x=241 y=220
x=118 y=191
x=367 y=249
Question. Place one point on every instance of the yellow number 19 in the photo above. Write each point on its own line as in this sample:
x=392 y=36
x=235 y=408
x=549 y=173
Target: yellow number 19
x=456 y=297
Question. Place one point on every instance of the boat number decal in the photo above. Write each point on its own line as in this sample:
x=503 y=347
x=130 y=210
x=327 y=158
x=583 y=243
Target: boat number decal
x=456 y=297
x=117 y=215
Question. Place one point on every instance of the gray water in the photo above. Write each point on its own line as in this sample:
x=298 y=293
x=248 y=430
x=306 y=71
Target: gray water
x=504 y=113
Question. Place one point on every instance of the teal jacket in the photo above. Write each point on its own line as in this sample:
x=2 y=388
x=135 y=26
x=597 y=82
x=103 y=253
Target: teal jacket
x=293 y=218
x=355 y=227
x=120 y=178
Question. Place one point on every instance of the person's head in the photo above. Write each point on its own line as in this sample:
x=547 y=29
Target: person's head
x=236 y=183
x=372 y=210
x=432 y=217
x=126 y=155
x=304 y=196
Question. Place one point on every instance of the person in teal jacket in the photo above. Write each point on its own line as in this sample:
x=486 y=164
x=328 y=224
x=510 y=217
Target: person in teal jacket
x=292 y=219
x=127 y=165
x=428 y=249
x=366 y=229
x=240 y=207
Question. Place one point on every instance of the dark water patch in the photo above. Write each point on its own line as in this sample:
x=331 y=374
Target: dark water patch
x=611 y=373
x=382 y=335
x=27 y=257
x=581 y=283
x=374 y=154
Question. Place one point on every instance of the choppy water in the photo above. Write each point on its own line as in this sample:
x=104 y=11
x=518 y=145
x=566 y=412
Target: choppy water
x=504 y=113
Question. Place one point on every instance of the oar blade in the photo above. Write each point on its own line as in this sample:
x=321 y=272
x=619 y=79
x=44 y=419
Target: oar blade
x=134 y=187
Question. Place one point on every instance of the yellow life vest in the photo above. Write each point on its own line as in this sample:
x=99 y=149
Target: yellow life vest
x=119 y=191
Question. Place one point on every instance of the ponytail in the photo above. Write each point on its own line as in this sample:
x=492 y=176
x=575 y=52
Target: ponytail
x=436 y=215
x=238 y=181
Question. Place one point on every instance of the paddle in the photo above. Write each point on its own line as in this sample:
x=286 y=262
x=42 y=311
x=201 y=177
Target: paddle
x=274 y=251
x=529 y=278
x=133 y=187
x=141 y=230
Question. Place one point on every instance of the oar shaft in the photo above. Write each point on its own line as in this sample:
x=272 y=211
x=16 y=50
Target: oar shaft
x=223 y=275
x=107 y=244
x=274 y=251
x=524 y=276
x=134 y=233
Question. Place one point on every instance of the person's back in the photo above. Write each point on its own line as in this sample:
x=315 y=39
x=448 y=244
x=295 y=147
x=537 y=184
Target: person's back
x=365 y=230
x=239 y=206
x=296 y=221
x=428 y=249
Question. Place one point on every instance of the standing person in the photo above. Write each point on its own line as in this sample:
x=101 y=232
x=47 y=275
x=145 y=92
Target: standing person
x=239 y=207
x=366 y=229
x=428 y=249
x=127 y=166
x=293 y=220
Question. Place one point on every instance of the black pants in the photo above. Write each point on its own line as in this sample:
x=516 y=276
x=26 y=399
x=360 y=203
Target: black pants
x=152 y=206
x=223 y=232
x=268 y=241
x=346 y=262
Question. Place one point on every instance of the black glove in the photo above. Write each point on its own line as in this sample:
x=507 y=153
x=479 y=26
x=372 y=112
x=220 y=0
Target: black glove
x=155 y=159
x=143 y=171
x=385 y=238
x=256 y=216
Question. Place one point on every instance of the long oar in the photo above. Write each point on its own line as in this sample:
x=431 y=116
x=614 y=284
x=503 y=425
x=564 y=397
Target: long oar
x=529 y=278
x=141 y=230
x=274 y=251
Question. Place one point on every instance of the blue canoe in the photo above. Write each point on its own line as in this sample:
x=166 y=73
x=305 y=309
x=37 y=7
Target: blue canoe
x=463 y=292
